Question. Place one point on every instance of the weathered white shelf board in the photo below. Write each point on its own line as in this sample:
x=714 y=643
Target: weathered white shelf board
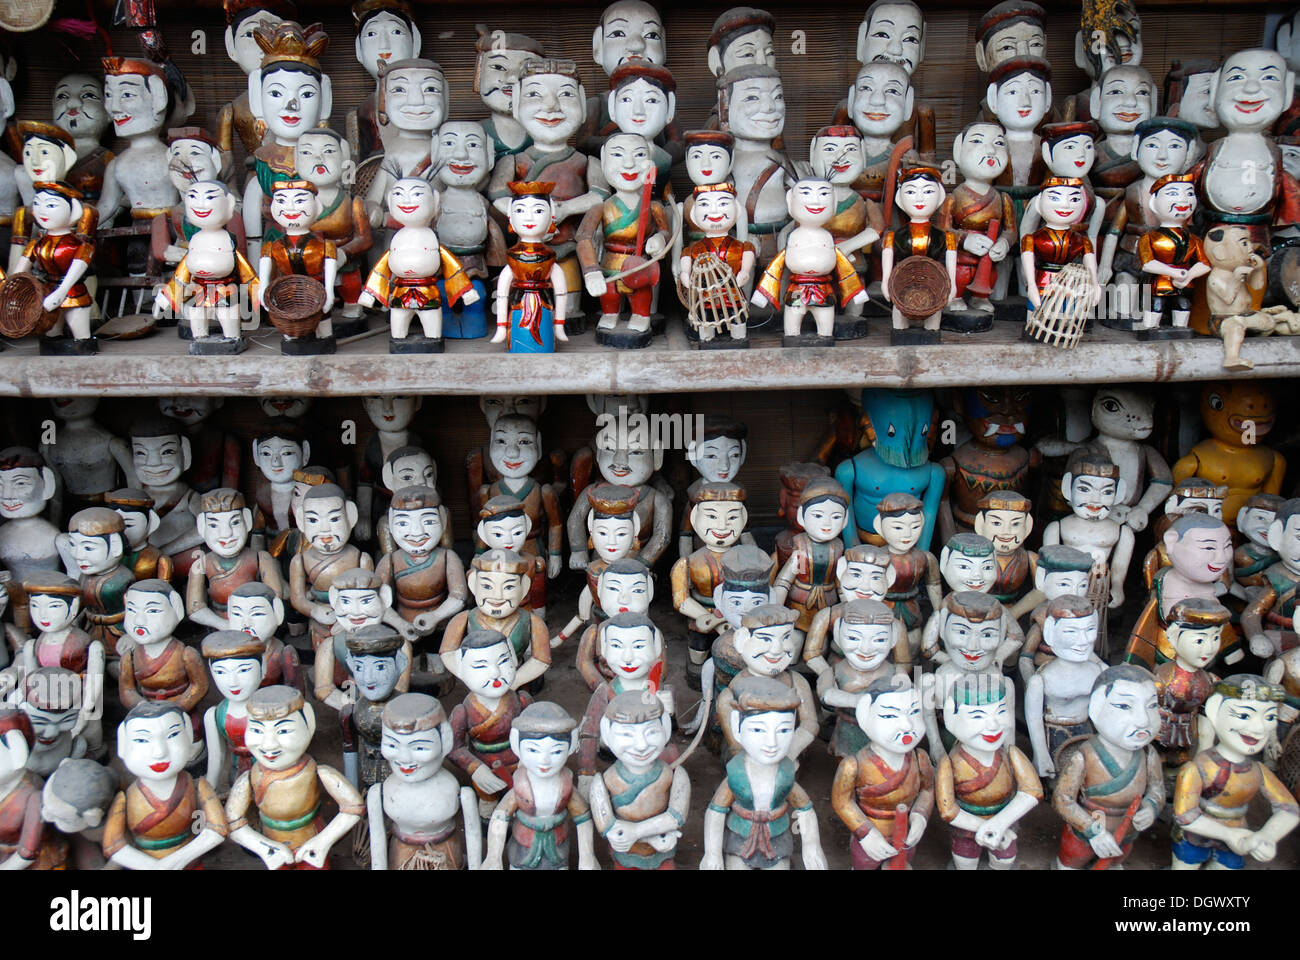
x=159 y=365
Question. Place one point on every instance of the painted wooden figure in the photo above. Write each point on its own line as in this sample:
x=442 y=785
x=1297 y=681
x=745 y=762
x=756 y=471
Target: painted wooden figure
x=60 y=259
x=92 y=550
x=77 y=106
x=992 y=459
x=714 y=212
x=624 y=586
x=326 y=518
x=1047 y=251
x=379 y=660
x=983 y=218
x=137 y=101
x=500 y=60
x=359 y=600
x=1061 y=571
x=427 y=579
x=1006 y=519
x=75 y=802
x=237 y=662
x=257 y=611
x=27 y=539
x=919 y=197
x=87 y=457
x=386 y=34
x=141 y=521
x=298 y=251
x=243 y=18
x=1174 y=254
x=1184 y=682
x=225 y=523
x=1056 y=697
x=1269 y=615
x=532 y=291
x=806 y=581
x=718 y=515
x=865 y=642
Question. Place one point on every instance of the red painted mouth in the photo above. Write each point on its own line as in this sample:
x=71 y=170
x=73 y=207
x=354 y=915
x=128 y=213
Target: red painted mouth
x=815 y=211
x=291 y=216
x=707 y=173
x=160 y=767
x=631 y=177
x=1025 y=112
x=497 y=684
x=1249 y=741
x=992 y=737
x=289 y=120
x=550 y=121
x=878 y=117
x=236 y=691
x=513 y=464
x=1128 y=117
x=407 y=770
x=1064 y=213
x=907 y=739
x=1079 y=163
x=628 y=669
x=321 y=169
x=120 y=121
x=461 y=169
x=405 y=209
x=623 y=610
x=1250 y=106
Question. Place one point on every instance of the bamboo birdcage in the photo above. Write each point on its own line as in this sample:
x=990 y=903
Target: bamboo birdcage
x=1067 y=304
x=713 y=298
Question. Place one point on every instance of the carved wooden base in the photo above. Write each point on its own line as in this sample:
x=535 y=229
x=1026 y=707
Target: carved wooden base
x=416 y=344
x=722 y=341
x=68 y=347
x=967 y=321
x=808 y=340
x=1120 y=323
x=1164 y=333
x=621 y=338
x=849 y=327
x=913 y=337
x=308 y=346
x=218 y=346
x=1011 y=309
x=575 y=326
x=349 y=326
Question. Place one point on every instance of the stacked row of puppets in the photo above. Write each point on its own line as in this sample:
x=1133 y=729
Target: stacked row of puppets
x=409 y=212
x=851 y=621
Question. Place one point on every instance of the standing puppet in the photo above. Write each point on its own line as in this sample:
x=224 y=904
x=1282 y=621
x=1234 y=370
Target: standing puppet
x=532 y=290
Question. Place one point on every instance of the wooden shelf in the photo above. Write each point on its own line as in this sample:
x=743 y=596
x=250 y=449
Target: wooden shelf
x=160 y=366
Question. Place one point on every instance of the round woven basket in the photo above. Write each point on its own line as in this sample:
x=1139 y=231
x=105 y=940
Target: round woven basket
x=21 y=312
x=919 y=287
x=295 y=304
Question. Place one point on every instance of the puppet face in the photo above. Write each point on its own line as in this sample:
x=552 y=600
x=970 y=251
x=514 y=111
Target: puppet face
x=630 y=467
x=416 y=469
x=418 y=532
x=531 y=218
x=961 y=571
x=1290 y=157
x=188 y=410
x=1244 y=725
x=1162 y=152
x=226 y=532
x=823 y=520
x=971 y=646
x=765 y=737
x=837 y=159
x=1073 y=156
x=865 y=645
x=156 y=748
x=1062 y=207
x=1175 y=203
x=1025 y=38
x=1197 y=103
x=768 y=651
x=1127 y=98
x=23 y=492
x=715 y=213
x=463 y=153
x=1127 y=414
x=498 y=74
x=279 y=744
x=386 y=37
x=94 y=554
x=46 y=159
x=488 y=672
x=719 y=523
x=412 y=203
x=515 y=448
x=327 y=523
x=629 y=651
x=50 y=613
x=892 y=721
x=151 y=617
x=1020 y=102
x=623 y=592
x=629 y=29
x=241 y=45
x=391 y=414
x=639 y=106
x=192 y=161
x=504 y=533
x=256 y=616
x=637 y=744
x=237 y=678
x=996 y=416
x=1254 y=88
x=981 y=153
x=279 y=457
x=732 y=605
x=295 y=210
x=1227 y=409
x=708 y=163
x=1203 y=553
x=550 y=106
x=895 y=34
x=357 y=608
x=752 y=48
x=1064 y=583
x=1127 y=714
x=53 y=211
x=319 y=158
x=1253 y=523
x=902 y=532
x=208 y=204
x=920 y=198
x=756 y=109
x=1195 y=646
x=1072 y=639
x=544 y=757
x=880 y=99
x=1092 y=498
x=134 y=103
x=415 y=98
x=292 y=103
x=863 y=581
x=811 y=202
x=497 y=594
x=79 y=106
x=625 y=159
x=1008 y=529
x=413 y=757
x=613 y=537
x=376 y=676
x=981 y=727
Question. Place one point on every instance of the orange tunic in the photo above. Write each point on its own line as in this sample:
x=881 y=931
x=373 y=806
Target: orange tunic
x=1174 y=246
x=866 y=791
x=51 y=257
x=1214 y=787
x=159 y=825
x=301 y=255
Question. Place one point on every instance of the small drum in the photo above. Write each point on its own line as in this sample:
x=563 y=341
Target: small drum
x=1067 y=304
x=21 y=311
x=919 y=288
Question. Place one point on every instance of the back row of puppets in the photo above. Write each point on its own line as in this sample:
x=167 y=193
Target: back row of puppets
x=1102 y=180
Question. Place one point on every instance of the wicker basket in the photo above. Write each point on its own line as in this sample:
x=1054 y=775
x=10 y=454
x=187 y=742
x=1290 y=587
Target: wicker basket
x=1061 y=317
x=919 y=287
x=21 y=310
x=295 y=304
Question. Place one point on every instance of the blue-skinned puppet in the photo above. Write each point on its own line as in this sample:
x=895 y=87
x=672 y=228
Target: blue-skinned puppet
x=900 y=426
